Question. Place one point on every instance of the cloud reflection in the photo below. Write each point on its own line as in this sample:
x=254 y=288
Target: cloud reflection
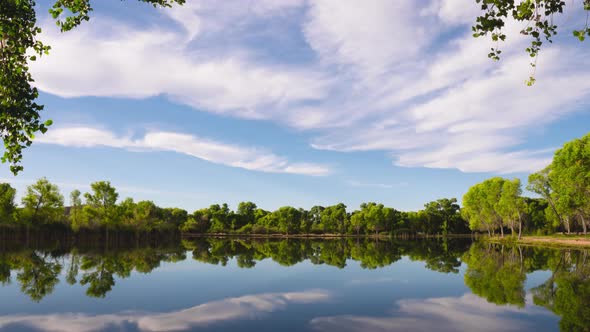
x=466 y=313
x=244 y=307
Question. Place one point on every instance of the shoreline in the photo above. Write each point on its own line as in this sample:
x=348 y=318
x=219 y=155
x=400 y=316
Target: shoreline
x=320 y=236
x=558 y=241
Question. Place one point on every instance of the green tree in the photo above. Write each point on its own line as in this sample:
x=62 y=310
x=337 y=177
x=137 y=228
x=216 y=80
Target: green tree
x=443 y=216
x=75 y=208
x=334 y=218
x=246 y=214
x=481 y=205
x=20 y=117
x=536 y=216
x=220 y=218
x=374 y=216
x=511 y=206
x=570 y=179
x=174 y=216
x=315 y=216
x=145 y=216
x=357 y=221
x=540 y=184
x=473 y=210
x=7 y=206
x=101 y=206
x=43 y=203
x=288 y=219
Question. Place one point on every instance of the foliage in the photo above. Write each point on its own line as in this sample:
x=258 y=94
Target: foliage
x=43 y=203
x=498 y=276
x=19 y=113
x=537 y=17
x=480 y=205
x=565 y=187
x=20 y=117
x=101 y=204
x=7 y=206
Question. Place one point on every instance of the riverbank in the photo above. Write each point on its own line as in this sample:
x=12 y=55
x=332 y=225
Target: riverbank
x=323 y=236
x=557 y=240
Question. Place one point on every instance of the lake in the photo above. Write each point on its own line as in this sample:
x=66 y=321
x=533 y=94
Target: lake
x=294 y=285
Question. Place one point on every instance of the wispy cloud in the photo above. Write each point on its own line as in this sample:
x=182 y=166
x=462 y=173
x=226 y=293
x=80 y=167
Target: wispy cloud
x=216 y=152
x=402 y=77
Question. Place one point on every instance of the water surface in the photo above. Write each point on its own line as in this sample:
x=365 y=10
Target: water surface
x=294 y=285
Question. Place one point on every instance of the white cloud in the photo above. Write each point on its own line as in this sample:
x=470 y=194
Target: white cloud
x=372 y=35
x=210 y=150
x=403 y=77
x=456 y=11
x=123 y=61
x=244 y=307
x=466 y=313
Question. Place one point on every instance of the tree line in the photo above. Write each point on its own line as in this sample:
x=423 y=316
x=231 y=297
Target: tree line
x=497 y=204
x=43 y=207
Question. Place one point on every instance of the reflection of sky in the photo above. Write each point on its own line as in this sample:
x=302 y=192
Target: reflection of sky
x=249 y=306
x=189 y=290
x=465 y=313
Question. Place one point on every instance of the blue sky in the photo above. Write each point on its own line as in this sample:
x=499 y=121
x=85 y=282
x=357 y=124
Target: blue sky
x=297 y=102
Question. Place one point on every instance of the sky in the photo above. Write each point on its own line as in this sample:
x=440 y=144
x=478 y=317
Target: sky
x=299 y=102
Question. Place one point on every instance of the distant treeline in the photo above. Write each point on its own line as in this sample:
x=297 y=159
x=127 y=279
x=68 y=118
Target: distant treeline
x=494 y=205
x=99 y=210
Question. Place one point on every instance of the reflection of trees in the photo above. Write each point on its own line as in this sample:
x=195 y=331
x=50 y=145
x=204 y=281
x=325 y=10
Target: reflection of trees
x=567 y=291
x=496 y=273
x=442 y=256
x=37 y=272
x=374 y=255
x=74 y=267
x=38 y=275
x=4 y=270
x=99 y=271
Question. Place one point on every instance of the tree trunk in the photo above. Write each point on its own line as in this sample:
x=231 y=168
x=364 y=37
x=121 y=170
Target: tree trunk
x=489 y=232
x=561 y=220
x=511 y=229
x=567 y=224
x=37 y=208
x=502 y=231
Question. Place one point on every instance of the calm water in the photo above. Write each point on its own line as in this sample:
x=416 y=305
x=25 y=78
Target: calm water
x=295 y=285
